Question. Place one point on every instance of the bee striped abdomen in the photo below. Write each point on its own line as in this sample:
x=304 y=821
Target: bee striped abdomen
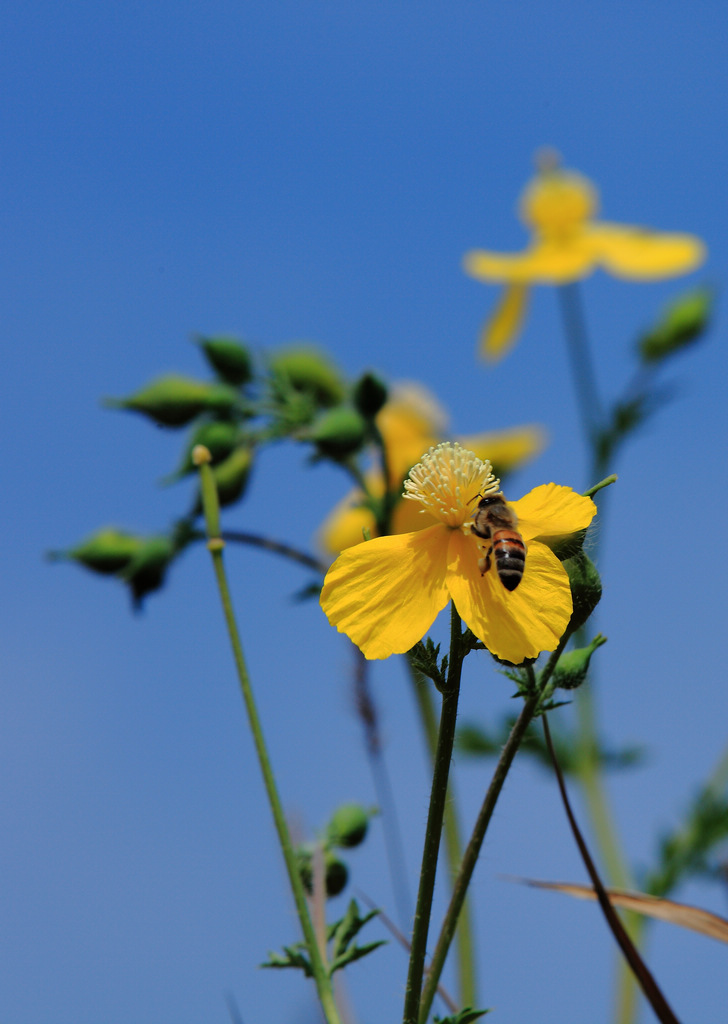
x=509 y=552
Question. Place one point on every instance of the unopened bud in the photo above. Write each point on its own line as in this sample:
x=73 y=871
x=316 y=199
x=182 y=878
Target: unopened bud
x=231 y=476
x=586 y=588
x=336 y=873
x=146 y=571
x=369 y=395
x=229 y=359
x=348 y=825
x=106 y=551
x=307 y=369
x=682 y=323
x=218 y=438
x=573 y=666
x=339 y=432
x=174 y=401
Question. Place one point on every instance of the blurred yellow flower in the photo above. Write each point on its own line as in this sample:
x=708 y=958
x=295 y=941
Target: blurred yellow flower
x=386 y=593
x=411 y=422
x=568 y=244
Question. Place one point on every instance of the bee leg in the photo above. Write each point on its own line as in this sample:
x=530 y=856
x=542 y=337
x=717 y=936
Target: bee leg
x=484 y=562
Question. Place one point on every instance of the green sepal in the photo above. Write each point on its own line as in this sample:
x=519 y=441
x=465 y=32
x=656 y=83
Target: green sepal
x=347 y=826
x=174 y=400
x=369 y=395
x=586 y=589
x=107 y=551
x=464 y=1016
x=566 y=545
x=338 y=433
x=681 y=324
x=230 y=360
x=573 y=666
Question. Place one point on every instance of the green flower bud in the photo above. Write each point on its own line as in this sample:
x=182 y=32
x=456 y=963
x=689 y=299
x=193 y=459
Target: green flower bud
x=586 y=588
x=336 y=873
x=307 y=369
x=369 y=395
x=229 y=359
x=107 y=551
x=573 y=666
x=681 y=323
x=348 y=826
x=146 y=571
x=219 y=437
x=173 y=401
x=339 y=432
x=231 y=476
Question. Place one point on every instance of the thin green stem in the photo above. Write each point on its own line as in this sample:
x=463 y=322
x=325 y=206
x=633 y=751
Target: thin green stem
x=538 y=689
x=438 y=795
x=582 y=367
x=464 y=936
x=470 y=857
x=216 y=545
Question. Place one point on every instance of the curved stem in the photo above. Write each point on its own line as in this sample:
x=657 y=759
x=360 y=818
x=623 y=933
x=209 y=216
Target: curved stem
x=438 y=795
x=216 y=545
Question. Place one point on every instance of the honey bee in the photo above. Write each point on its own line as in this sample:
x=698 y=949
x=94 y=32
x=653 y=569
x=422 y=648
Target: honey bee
x=494 y=521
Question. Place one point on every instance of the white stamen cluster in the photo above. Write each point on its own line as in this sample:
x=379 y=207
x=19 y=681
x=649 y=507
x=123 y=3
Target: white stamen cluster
x=447 y=479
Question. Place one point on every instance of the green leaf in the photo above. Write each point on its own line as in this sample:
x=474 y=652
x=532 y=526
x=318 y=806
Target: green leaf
x=464 y=1016
x=294 y=957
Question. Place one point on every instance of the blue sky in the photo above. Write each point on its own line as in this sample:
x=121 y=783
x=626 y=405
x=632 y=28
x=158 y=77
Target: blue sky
x=296 y=171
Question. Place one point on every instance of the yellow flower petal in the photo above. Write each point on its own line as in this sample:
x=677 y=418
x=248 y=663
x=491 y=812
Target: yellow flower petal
x=517 y=624
x=641 y=254
x=545 y=262
x=386 y=593
x=504 y=327
x=552 y=511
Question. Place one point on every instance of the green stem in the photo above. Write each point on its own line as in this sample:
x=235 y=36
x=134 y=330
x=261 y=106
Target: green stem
x=438 y=795
x=464 y=936
x=582 y=367
x=539 y=689
x=471 y=855
x=216 y=545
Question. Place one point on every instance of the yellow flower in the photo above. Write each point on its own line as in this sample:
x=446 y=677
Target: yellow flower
x=386 y=593
x=568 y=244
x=410 y=423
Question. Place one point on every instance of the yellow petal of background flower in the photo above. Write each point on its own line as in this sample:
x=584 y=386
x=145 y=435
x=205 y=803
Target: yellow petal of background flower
x=343 y=526
x=641 y=254
x=503 y=328
x=552 y=511
x=385 y=594
x=517 y=624
x=507 y=449
x=545 y=262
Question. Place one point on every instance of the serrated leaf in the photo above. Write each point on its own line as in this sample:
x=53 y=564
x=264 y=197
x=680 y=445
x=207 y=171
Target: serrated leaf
x=355 y=953
x=293 y=958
